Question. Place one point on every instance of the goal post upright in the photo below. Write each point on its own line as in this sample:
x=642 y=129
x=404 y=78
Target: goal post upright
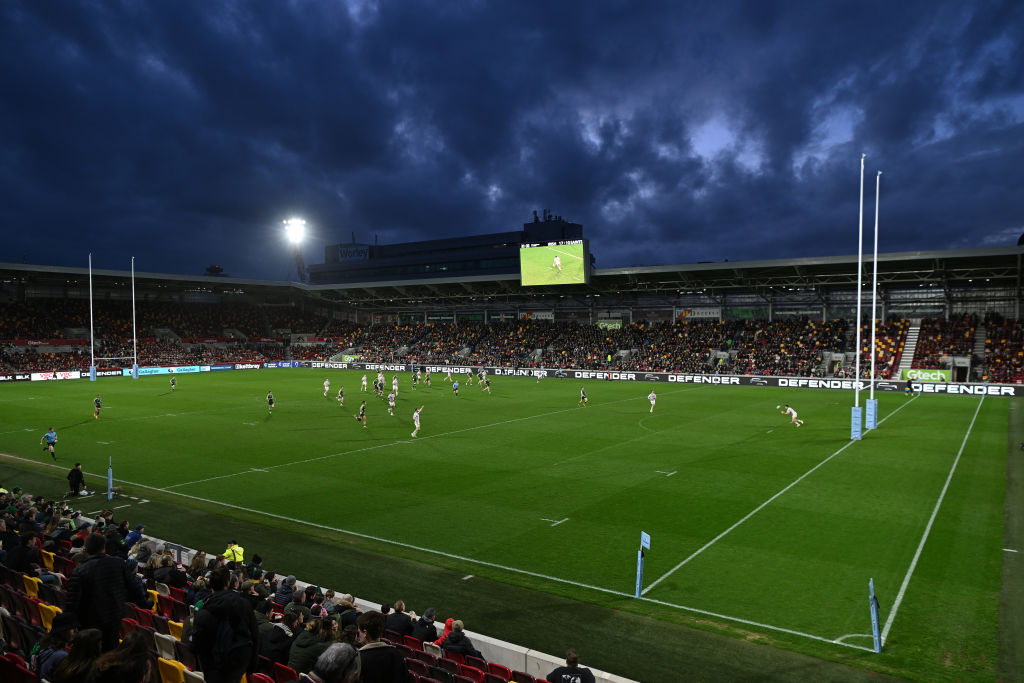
x=856 y=419
x=872 y=403
x=135 y=345
x=92 y=338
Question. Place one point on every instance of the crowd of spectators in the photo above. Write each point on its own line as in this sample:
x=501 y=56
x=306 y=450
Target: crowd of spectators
x=294 y=320
x=938 y=338
x=114 y=590
x=792 y=346
x=1004 y=349
x=890 y=338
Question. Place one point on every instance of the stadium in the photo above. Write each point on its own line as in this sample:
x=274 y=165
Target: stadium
x=675 y=524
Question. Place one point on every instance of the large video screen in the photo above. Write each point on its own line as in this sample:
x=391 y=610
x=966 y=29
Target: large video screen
x=554 y=263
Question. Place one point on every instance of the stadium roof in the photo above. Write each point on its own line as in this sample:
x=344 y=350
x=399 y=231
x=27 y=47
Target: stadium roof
x=988 y=267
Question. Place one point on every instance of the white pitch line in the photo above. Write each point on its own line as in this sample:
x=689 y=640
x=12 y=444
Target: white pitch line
x=760 y=507
x=467 y=577
x=502 y=567
x=928 y=527
x=667 y=474
x=484 y=563
x=1010 y=550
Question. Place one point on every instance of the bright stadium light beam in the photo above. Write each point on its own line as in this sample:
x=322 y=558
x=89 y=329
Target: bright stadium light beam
x=295 y=230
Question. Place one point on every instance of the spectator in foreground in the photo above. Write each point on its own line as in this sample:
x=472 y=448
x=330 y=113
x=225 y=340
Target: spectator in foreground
x=98 y=589
x=379 y=662
x=424 y=627
x=53 y=646
x=129 y=662
x=458 y=641
x=571 y=672
x=314 y=640
x=398 y=620
x=85 y=648
x=276 y=642
x=338 y=664
x=285 y=591
x=224 y=634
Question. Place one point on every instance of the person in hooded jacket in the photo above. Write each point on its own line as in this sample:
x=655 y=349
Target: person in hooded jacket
x=458 y=641
x=311 y=643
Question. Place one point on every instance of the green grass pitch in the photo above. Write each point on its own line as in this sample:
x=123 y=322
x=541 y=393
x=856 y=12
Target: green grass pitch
x=537 y=267
x=755 y=524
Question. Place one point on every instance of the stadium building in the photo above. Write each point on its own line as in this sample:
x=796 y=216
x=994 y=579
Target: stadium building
x=948 y=324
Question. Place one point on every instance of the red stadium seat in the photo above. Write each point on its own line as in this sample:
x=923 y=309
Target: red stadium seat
x=284 y=674
x=471 y=672
x=498 y=670
x=477 y=662
x=417 y=667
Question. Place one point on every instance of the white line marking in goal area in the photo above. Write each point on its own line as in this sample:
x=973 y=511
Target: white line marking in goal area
x=760 y=507
x=553 y=522
x=667 y=474
x=467 y=577
x=1010 y=550
x=928 y=527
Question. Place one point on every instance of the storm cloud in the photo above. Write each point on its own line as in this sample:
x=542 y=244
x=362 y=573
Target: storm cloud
x=184 y=133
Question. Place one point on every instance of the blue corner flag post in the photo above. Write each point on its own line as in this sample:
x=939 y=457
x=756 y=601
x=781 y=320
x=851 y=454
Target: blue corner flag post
x=856 y=423
x=874 y=615
x=645 y=542
x=110 y=478
x=871 y=416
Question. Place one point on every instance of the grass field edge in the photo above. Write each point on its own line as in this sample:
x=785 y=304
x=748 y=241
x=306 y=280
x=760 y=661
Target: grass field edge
x=695 y=620
x=1011 y=599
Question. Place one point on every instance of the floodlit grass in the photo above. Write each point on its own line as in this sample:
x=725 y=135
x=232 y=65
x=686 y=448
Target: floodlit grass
x=756 y=525
x=537 y=265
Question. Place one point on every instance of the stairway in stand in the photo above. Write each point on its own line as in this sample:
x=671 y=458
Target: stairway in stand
x=909 y=348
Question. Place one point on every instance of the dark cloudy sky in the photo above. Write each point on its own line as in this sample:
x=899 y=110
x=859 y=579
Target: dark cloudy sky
x=183 y=132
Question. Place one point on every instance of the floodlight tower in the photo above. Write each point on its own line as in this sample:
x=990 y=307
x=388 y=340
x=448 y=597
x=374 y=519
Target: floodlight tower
x=295 y=231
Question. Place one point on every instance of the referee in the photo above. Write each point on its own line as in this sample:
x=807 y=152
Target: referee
x=48 y=442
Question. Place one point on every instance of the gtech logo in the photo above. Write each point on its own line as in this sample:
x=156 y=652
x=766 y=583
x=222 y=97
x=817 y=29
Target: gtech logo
x=923 y=375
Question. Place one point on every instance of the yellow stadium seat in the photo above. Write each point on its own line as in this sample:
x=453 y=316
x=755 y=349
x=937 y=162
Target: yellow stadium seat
x=171 y=671
x=47 y=613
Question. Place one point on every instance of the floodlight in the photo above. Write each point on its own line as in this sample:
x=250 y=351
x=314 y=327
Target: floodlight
x=294 y=229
